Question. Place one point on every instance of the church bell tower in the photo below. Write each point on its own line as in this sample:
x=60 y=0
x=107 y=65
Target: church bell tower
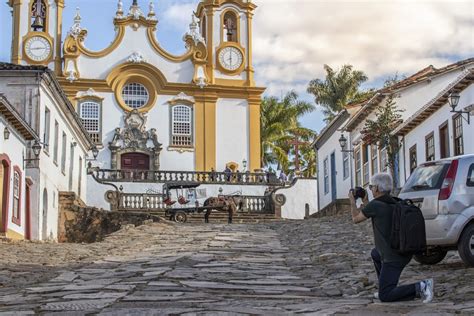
x=37 y=31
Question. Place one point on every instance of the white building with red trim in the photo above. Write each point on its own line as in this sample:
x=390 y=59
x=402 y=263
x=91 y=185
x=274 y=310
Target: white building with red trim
x=37 y=114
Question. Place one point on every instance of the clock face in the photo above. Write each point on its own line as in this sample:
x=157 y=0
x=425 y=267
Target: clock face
x=231 y=58
x=37 y=48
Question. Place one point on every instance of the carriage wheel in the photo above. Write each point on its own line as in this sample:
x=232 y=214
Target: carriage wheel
x=180 y=217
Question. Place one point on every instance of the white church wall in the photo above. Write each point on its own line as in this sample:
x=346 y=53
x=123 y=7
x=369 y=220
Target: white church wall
x=14 y=148
x=135 y=41
x=232 y=132
x=303 y=192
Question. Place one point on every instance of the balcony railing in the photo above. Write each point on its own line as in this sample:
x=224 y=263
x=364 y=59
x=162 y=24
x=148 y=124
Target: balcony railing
x=154 y=202
x=162 y=176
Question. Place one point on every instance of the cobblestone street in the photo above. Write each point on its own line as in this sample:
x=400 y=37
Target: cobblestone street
x=318 y=266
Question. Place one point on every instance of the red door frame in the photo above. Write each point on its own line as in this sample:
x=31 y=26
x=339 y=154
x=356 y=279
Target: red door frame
x=5 y=161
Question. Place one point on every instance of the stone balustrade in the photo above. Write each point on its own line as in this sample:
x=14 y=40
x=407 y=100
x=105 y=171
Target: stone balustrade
x=163 y=176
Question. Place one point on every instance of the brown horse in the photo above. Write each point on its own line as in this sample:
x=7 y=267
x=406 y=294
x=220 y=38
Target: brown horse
x=223 y=204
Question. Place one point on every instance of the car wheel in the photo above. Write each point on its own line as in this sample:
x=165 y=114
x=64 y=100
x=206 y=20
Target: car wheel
x=466 y=245
x=180 y=217
x=432 y=257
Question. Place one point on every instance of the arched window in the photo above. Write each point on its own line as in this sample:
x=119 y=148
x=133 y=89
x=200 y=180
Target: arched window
x=181 y=126
x=135 y=95
x=90 y=113
x=38 y=16
x=230 y=27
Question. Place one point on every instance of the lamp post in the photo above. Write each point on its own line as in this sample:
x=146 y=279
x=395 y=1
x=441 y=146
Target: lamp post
x=36 y=147
x=244 y=164
x=453 y=100
x=343 y=144
x=6 y=133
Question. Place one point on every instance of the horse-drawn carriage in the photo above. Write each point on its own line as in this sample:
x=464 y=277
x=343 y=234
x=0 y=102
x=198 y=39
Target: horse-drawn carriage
x=182 y=199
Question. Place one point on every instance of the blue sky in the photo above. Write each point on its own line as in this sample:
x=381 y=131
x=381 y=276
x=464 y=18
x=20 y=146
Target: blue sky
x=293 y=39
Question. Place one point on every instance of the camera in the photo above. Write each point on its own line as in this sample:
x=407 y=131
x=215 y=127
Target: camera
x=359 y=192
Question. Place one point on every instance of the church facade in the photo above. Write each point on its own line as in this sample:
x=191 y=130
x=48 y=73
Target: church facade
x=144 y=107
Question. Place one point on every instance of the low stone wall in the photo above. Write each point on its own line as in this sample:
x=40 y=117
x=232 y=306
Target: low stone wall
x=86 y=224
x=334 y=208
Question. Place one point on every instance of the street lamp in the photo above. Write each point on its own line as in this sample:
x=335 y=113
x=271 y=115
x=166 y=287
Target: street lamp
x=453 y=100
x=343 y=144
x=6 y=133
x=36 y=147
x=95 y=152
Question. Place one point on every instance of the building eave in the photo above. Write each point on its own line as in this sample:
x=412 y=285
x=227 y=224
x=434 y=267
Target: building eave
x=366 y=109
x=15 y=119
x=458 y=85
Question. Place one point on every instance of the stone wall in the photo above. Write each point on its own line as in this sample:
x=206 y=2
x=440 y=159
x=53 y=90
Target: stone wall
x=337 y=207
x=78 y=223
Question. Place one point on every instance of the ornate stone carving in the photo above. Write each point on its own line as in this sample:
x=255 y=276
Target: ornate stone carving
x=134 y=138
x=76 y=28
x=136 y=58
x=89 y=93
x=181 y=97
x=194 y=33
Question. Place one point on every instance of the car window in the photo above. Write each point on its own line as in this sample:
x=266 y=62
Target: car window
x=426 y=177
x=470 y=176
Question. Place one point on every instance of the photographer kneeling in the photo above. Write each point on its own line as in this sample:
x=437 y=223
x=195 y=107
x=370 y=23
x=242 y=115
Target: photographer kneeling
x=389 y=264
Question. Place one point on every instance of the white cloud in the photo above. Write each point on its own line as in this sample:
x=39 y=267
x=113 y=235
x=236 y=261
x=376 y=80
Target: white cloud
x=294 y=39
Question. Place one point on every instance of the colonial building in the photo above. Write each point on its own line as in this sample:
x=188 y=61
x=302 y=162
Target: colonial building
x=51 y=155
x=429 y=129
x=145 y=108
x=15 y=186
x=334 y=167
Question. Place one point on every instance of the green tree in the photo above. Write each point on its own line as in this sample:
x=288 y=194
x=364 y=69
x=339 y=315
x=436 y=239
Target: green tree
x=379 y=131
x=338 y=89
x=279 y=123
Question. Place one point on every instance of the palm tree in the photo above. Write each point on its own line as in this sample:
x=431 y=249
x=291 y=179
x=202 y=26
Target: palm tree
x=278 y=119
x=338 y=89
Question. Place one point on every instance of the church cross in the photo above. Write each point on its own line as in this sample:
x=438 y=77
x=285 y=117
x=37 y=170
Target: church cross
x=295 y=142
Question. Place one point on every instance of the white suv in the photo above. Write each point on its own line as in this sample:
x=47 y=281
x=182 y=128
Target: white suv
x=444 y=190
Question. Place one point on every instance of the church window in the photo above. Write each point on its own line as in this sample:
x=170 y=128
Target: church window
x=90 y=113
x=38 y=16
x=230 y=27
x=135 y=95
x=181 y=126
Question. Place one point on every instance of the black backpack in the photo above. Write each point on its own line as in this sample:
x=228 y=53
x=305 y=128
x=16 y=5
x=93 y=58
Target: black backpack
x=408 y=228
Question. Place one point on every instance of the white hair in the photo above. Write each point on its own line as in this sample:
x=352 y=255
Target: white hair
x=383 y=181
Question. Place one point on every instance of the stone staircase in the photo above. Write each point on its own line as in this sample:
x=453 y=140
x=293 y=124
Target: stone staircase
x=222 y=217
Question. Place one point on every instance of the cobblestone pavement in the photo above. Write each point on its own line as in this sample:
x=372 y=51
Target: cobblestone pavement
x=318 y=267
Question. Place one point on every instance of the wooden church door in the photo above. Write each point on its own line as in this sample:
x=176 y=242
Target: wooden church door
x=135 y=161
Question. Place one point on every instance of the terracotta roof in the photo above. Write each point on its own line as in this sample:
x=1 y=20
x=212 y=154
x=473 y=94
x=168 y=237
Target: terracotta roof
x=15 y=119
x=458 y=85
x=336 y=122
x=424 y=74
